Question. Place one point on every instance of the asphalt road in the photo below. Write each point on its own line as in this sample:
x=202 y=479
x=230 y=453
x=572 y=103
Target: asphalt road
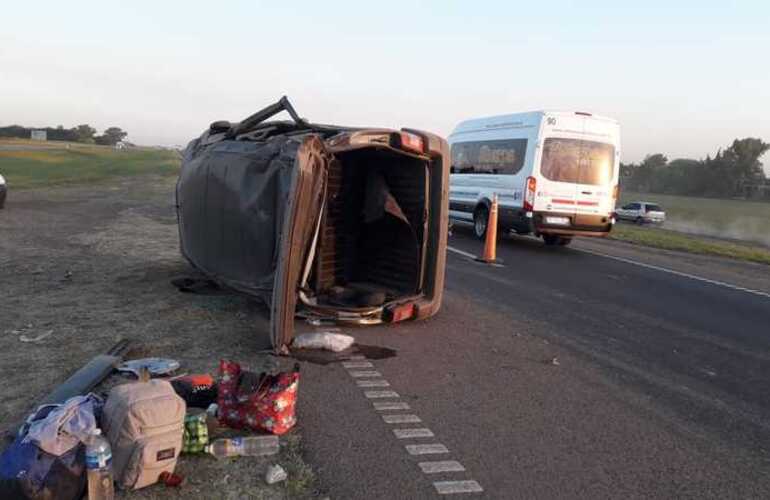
x=601 y=370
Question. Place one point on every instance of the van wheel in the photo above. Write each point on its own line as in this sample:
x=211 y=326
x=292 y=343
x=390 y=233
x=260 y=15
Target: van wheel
x=563 y=242
x=551 y=239
x=480 y=219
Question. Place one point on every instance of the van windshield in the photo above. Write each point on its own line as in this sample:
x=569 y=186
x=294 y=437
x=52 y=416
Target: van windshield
x=577 y=161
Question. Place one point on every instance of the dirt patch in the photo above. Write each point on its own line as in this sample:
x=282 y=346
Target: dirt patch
x=94 y=265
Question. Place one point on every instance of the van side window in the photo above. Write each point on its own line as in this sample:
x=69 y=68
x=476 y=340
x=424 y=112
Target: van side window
x=489 y=157
x=632 y=206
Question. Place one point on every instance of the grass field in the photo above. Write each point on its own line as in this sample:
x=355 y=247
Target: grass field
x=731 y=219
x=673 y=240
x=28 y=164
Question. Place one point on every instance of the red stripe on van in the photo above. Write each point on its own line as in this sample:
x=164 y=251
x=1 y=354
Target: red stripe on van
x=588 y=203
x=562 y=201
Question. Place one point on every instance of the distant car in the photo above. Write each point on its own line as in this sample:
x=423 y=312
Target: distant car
x=642 y=212
x=349 y=224
x=3 y=191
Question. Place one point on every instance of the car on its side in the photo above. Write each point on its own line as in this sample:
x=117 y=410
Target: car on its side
x=347 y=224
x=641 y=212
x=3 y=191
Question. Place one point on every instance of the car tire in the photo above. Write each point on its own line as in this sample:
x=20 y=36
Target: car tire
x=639 y=221
x=480 y=220
x=563 y=242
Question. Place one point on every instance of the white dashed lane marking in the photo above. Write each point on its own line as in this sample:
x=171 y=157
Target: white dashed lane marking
x=381 y=394
x=413 y=433
x=390 y=405
x=372 y=383
x=426 y=449
x=441 y=466
x=401 y=419
x=372 y=378
x=357 y=364
x=450 y=487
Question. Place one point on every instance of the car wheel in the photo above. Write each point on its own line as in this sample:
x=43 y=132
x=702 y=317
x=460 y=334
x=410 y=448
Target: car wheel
x=639 y=221
x=563 y=242
x=480 y=219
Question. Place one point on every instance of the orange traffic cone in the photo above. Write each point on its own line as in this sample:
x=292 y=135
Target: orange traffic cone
x=490 y=243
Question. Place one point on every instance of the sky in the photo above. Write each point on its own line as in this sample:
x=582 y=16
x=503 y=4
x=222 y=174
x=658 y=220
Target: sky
x=683 y=78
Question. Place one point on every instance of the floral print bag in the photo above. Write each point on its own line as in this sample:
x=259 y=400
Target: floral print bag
x=263 y=402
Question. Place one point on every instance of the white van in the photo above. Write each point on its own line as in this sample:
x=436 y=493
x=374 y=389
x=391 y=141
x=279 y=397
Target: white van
x=555 y=173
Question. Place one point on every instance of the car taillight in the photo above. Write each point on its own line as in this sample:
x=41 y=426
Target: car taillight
x=412 y=142
x=529 y=194
x=616 y=192
x=399 y=313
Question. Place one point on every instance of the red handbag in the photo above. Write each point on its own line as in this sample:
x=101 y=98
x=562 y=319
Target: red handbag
x=261 y=402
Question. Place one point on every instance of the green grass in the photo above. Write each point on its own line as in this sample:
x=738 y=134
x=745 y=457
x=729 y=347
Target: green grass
x=61 y=163
x=733 y=219
x=672 y=240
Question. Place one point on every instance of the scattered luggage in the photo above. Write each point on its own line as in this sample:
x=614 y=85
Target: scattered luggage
x=47 y=458
x=199 y=390
x=263 y=402
x=144 y=423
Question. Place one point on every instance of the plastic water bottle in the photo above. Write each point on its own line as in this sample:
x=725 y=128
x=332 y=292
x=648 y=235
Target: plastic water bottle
x=99 y=467
x=250 y=446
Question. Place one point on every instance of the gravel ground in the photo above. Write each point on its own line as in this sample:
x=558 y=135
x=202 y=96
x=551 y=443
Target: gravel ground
x=92 y=265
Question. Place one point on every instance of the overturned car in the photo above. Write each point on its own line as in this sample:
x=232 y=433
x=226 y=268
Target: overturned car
x=344 y=224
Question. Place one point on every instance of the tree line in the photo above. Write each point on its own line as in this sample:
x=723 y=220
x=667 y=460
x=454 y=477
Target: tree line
x=735 y=172
x=82 y=133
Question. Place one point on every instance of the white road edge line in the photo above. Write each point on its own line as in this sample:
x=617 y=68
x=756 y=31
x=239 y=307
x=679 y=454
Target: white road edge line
x=460 y=252
x=450 y=487
x=677 y=273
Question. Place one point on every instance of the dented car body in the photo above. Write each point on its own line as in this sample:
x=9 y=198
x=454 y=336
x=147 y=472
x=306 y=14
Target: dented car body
x=345 y=224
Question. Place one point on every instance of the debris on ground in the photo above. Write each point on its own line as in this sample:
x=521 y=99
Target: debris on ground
x=329 y=341
x=26 y=338
x=246 y=446
x=554 y=361
x=171 y=479
x=156 y=366
x=275 y=474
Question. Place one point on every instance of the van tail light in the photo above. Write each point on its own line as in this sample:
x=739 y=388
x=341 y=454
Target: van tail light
x=412 y=142
x=529 y=194
x=616 y=192
x=399 y=313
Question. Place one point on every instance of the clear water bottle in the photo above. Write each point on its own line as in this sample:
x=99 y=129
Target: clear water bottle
x=250 y=446
x=99 y=467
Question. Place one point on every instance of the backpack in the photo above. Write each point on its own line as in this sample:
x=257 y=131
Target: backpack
x=144 y=423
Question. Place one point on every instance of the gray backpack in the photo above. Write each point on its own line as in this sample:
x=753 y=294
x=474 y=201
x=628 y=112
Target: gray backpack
x=143 y=422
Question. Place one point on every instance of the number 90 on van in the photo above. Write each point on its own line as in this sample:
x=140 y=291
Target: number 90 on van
x=555 y=173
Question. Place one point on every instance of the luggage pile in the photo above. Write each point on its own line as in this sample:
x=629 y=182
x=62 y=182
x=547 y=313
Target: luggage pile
x=134 y=437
